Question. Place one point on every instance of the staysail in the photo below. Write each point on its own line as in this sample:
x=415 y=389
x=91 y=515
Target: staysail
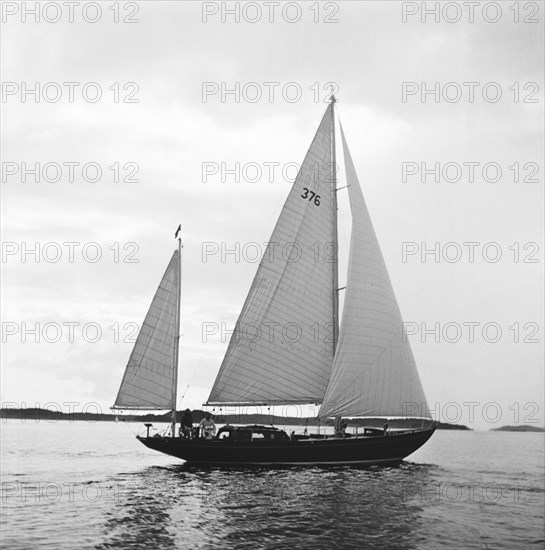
x=374 y=372
x=281 y=350
x=150 y=377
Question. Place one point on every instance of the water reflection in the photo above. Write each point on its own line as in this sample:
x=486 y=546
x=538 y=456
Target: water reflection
x=140 y=515
x=189 y=507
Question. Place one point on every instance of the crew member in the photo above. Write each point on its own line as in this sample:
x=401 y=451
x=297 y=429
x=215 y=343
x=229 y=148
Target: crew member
x=186 y=424
x=207 y=427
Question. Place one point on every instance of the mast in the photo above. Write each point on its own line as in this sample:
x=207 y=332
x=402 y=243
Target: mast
x=335 y=263
x=177 y=337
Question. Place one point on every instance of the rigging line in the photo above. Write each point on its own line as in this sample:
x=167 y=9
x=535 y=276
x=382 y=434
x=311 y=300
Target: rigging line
x=229 y=305
x=126 y=423
x=265 y=232
x=185 y=391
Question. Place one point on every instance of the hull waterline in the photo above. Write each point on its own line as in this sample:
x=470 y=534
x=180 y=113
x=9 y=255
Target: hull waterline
x=385 y=449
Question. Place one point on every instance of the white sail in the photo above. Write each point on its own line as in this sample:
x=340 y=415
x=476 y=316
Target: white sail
x=149 y=379
x=374 y=372
x=282 y=348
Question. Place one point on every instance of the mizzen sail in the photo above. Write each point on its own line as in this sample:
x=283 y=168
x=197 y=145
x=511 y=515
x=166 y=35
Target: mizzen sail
x=149 y=379
x=281 y=350
x=374 y=372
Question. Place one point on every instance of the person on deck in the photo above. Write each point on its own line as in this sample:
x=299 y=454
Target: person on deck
x=207 y=427
x=340 y=426
x=186 y=424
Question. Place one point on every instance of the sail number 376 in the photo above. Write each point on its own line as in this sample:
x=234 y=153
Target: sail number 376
x=311 y=196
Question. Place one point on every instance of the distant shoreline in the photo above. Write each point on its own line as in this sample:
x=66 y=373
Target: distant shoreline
x=522 y=428
x=38 y=415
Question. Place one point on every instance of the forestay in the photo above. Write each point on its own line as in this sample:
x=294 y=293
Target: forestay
x=374 y=372
x=282 y=348
x=149 y=379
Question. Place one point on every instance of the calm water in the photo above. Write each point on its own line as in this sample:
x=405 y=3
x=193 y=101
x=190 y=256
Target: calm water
x=92 y=485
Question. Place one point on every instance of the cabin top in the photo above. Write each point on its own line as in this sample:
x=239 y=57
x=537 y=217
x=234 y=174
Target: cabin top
x=252 y=433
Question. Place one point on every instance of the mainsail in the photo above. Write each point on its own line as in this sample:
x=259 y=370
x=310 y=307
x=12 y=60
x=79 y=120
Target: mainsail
x=282 y=347
x=150 y=377
x=374 y=372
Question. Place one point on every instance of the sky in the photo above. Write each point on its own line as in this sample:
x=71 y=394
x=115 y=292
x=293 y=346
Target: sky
x=443 y=113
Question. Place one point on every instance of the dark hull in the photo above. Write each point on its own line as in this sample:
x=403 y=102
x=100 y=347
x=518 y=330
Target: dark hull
x=383 y=449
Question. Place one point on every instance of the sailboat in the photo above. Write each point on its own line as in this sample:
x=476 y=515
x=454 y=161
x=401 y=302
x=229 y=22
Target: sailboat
x=362 y=367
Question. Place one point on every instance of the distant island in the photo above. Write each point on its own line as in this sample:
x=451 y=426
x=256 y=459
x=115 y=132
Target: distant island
x=523 y=428
x=447 y=426
x=37 y=415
